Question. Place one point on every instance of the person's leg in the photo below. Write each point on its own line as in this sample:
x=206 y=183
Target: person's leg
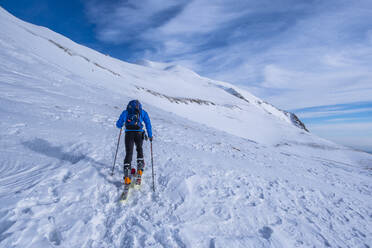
x=139 y=142
x=129 y=143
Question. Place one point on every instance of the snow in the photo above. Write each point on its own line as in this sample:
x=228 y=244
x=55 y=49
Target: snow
x=229 y=172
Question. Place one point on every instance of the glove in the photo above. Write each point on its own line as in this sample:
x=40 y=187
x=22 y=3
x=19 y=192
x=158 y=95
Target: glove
x=150 y=138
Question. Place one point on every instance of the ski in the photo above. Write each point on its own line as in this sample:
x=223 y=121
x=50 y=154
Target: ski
x=124 y=195
x=128 y=183
x=134 y=181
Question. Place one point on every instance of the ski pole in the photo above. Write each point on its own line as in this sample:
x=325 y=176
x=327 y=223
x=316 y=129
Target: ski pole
x=152 y=165
x=117 y=148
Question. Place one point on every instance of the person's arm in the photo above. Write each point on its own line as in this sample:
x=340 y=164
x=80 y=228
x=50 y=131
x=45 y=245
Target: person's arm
x=147 y=121
x=122 y=118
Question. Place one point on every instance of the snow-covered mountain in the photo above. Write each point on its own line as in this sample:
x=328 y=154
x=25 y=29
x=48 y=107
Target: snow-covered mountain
x=231 y=170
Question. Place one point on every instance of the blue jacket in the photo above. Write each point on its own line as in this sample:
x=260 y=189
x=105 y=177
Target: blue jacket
x=144 y=117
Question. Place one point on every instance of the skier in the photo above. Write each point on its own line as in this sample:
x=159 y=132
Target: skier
x=132 y=118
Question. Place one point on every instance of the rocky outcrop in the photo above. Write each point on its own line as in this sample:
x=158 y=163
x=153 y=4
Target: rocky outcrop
x=296 y=121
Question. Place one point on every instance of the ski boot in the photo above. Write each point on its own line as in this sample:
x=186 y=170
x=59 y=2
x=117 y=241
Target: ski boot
x=140 y=167
x=127 y=177
x=127 y=180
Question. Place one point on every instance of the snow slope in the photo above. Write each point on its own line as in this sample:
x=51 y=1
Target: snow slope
x=231 y=170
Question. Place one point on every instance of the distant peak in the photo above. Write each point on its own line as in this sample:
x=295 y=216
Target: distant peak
x=165 y=66
x=152 y=64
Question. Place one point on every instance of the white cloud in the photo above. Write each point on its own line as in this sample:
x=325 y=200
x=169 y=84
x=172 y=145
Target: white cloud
x=291 y=53
x=336 y=60
x=331 y=113
x=194 y=21
x=125 y=21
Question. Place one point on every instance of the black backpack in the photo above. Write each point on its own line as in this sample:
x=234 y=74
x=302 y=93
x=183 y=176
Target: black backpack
x=133 y=121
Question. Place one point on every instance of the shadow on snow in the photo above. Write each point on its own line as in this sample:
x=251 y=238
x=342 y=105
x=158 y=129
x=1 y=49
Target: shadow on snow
x=46 y=148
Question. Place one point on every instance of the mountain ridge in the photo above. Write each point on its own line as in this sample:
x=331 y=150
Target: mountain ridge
x=189 y=80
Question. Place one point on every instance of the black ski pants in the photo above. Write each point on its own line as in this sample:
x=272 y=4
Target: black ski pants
x=131 y=138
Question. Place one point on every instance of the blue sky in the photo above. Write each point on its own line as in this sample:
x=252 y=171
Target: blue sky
x=312 y=57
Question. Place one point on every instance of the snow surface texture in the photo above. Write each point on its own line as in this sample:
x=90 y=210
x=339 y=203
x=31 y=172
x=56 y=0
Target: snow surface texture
x=231 y=170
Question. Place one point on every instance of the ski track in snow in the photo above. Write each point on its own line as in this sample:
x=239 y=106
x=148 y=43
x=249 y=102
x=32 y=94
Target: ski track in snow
x=213 y=189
